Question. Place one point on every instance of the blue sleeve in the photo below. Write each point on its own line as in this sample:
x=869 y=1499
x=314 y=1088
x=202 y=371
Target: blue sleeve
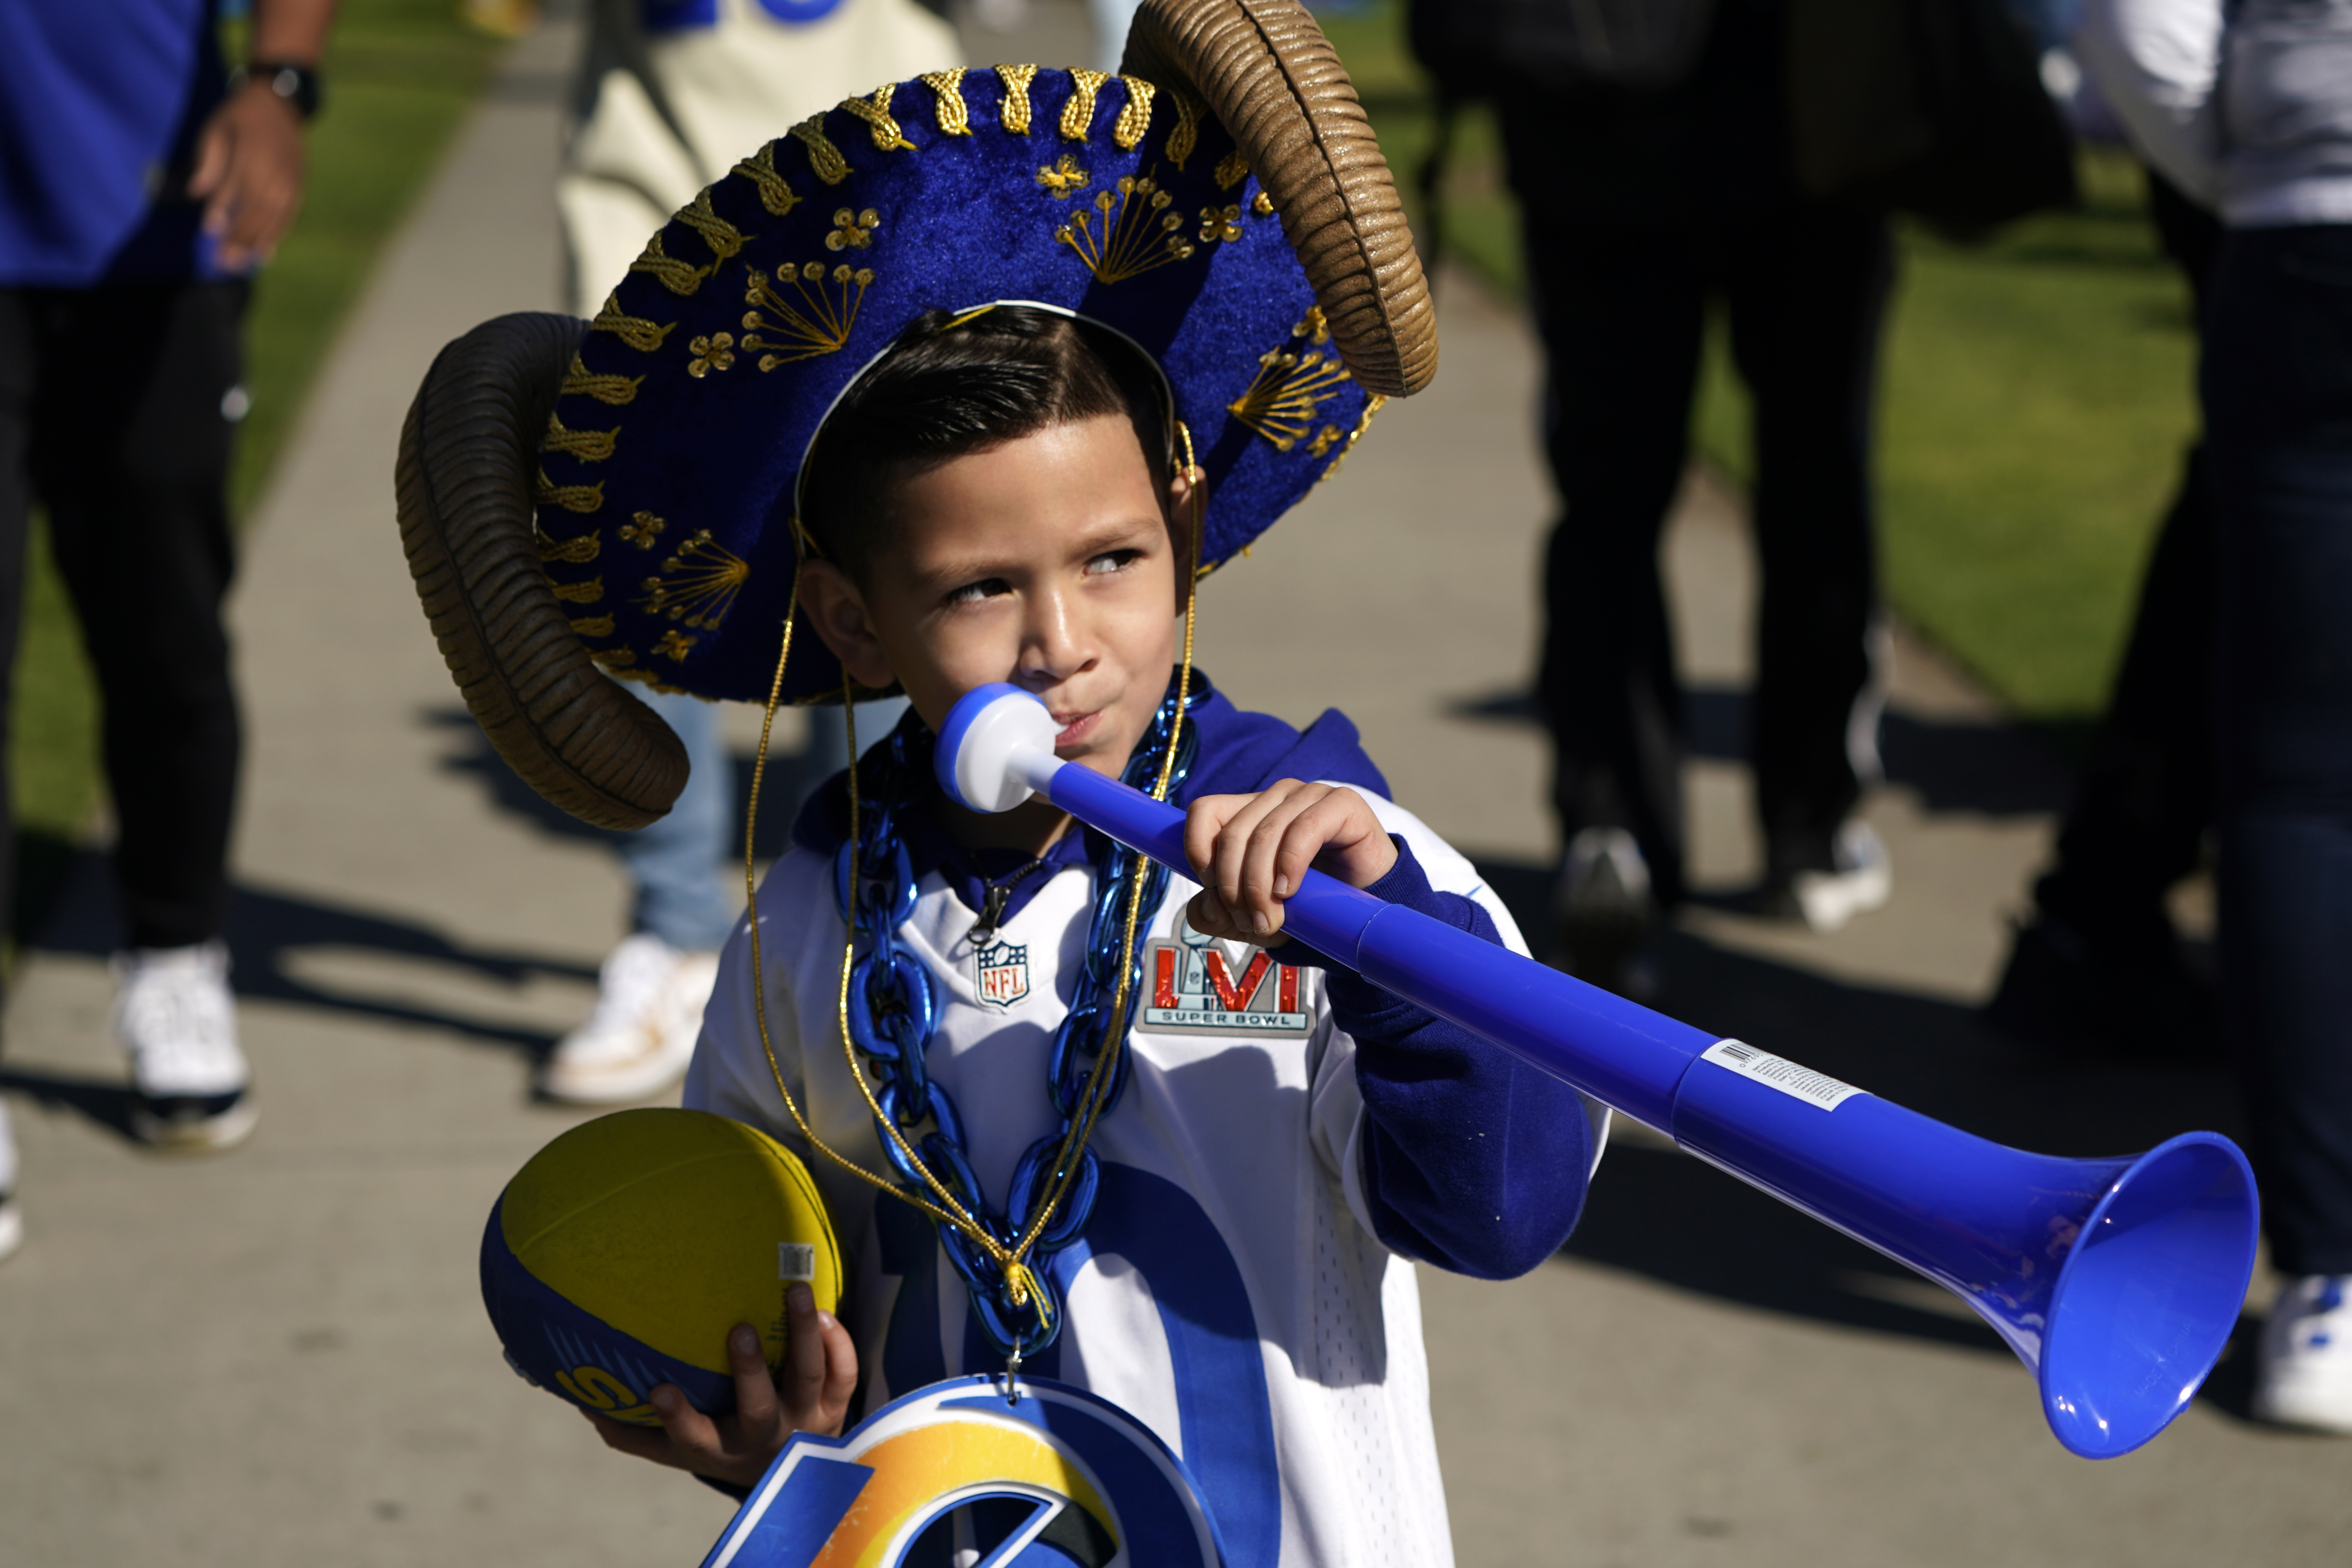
x=1471 y=1160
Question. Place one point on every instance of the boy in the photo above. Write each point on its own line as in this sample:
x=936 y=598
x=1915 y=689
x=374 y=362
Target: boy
x=1016 y=530
x=1039 y=355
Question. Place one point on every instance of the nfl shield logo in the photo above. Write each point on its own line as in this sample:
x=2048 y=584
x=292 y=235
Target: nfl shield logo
x=1003 y=973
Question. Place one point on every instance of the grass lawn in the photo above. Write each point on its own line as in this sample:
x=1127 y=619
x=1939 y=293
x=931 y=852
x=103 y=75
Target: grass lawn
x=2037 y=397
x=399 y=74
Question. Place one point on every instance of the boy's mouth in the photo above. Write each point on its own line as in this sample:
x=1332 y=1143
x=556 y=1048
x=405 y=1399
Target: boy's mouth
x=1075 y=728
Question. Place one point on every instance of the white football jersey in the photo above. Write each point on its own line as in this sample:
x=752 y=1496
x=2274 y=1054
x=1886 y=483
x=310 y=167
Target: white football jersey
x=1228 y=1289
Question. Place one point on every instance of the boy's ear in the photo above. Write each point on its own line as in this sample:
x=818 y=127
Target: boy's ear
x=1188 y=495
x=837 y=612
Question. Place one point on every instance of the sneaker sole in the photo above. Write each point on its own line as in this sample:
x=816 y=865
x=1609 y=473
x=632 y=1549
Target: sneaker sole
x=211 y=1135
x=623 y=1085
x=1829 y=903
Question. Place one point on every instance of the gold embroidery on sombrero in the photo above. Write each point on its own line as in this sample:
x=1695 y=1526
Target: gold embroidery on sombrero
x=876 y=112
x=1013 y=113
x=1187 y=134
x=635 y=331
x=611 y=390
x=723 y=237
x=1372 y=406
x=1220 y=223
x=613 y=657
x=1064 y=177
x=954 y=118
x=1136 y=117
x=1323 y=439
x=674 y=646
x=643 y=529
x=1262 y=205
x=775 y=195
x=579 y=550
x=853 y=231
x=824 y=157
x=698 y=586
x=1281 y=402
x=1139 y=232
x=713 y=352
x=677 y=276
x=1232 y=170
x=586 y=593
x=594 y=627
x=588 y=445
x=820 y=324
x=1314 y=326
x=571 y=497
x=1078 y=114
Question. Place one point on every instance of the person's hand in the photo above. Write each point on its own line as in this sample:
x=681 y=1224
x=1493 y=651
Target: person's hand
x=1250 y=852
x=250 y=173
x=810 y=1395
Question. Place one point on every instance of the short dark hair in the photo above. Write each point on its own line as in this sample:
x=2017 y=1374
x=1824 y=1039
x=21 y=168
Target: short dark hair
x=944 y=390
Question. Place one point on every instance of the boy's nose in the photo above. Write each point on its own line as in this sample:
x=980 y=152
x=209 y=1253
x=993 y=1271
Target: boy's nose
x=1053 y=648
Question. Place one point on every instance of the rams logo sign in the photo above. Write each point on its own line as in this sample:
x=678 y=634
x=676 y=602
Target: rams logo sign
x=1053 y=1479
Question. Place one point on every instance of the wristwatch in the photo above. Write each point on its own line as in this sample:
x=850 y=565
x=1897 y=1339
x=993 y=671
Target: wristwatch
x=298 y=85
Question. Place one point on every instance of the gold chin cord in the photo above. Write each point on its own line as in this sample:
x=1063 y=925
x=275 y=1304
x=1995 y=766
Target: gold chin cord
x=941 y=1205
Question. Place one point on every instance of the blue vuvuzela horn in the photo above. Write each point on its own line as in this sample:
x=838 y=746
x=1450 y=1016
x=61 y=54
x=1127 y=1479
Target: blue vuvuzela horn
x=2116 y=1281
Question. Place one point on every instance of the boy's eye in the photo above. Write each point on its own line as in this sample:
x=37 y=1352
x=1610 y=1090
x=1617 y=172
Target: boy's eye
x=1112 y=560
x=972 y=593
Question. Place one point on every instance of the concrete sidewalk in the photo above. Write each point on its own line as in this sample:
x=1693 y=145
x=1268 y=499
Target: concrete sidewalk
x=280 y=1356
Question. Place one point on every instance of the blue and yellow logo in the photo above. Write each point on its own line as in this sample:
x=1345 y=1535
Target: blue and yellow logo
x=1054 y=1478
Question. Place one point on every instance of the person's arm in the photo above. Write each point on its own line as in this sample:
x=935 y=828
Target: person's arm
x=1466 y=1158
x=2158 y=64
x=248 y=169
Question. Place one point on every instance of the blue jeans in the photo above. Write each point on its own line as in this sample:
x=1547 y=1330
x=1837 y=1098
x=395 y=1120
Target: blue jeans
x=2277 y=386
x=685 y=867
x=678 y=863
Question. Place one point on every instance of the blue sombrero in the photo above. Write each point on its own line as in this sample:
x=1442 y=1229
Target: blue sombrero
x=1221 y=203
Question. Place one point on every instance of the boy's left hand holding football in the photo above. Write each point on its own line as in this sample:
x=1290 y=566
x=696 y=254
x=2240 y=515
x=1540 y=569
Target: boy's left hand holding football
x=1251 y=851
x=810 y=1395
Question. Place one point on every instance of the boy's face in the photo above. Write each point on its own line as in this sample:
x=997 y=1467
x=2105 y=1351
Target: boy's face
x=1045 y=562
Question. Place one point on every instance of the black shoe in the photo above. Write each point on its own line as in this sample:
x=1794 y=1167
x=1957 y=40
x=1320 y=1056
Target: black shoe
x=2138 y=1003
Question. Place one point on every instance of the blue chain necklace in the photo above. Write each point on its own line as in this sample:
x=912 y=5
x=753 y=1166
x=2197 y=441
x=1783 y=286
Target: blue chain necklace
x=890 y=1013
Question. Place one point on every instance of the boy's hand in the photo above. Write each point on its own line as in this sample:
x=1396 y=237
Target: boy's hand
x=1251 y=851
x=814 y=1396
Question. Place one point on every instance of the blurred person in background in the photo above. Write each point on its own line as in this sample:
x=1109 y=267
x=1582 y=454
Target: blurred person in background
x=2246 y=105
x=140 y=184
x=2099 y=966
x=1654 y=179
x=670 y=94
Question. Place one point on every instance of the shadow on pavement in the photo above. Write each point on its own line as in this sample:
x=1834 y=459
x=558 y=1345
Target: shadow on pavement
x=266 y=929
x=791 y=776
x=1672 y=1220
x=1995 y=769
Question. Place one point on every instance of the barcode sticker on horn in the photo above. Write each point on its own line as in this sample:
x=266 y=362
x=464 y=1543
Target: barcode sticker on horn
x=795 y=1261
x=1779 y=1072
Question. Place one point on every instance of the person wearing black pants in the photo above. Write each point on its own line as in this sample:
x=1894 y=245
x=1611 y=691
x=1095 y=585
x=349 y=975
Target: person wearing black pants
x=2278 y=408
x=2100 y=967
x=144 y=183
x=1640 y=210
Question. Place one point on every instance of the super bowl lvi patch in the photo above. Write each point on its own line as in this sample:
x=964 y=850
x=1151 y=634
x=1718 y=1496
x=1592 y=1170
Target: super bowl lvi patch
x=1203 y=986
x=1001 y=974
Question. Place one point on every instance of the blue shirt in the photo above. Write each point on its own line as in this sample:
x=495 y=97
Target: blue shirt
x=100 y=101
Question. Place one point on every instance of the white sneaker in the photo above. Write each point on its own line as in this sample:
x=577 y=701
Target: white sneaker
x=2304 y=1375
x=1863 y=880
x=11 y=1221
x=649 y=1002
x=173 y=1013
